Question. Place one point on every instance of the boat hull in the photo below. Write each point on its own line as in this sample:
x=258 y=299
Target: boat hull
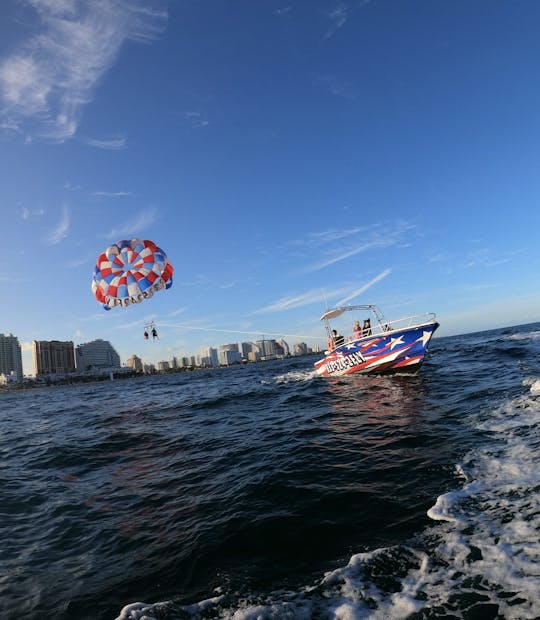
x=396 y=351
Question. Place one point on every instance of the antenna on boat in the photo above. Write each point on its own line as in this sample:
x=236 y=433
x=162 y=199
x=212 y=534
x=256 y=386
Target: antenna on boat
x=325 y=299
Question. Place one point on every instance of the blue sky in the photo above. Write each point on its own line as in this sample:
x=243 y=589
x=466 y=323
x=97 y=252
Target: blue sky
x=281 y=153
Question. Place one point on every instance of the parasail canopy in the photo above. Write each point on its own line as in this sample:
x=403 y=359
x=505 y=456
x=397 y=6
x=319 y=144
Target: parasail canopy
x=129 y=272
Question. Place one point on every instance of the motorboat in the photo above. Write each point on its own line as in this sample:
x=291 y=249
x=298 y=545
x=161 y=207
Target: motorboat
x=378 y=346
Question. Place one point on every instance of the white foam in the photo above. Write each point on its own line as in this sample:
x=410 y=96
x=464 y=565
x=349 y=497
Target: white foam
x=483 y=544
x=135 y=611
x=294 y=376
x=495 y=517
x=533 y=383
x=523 y=336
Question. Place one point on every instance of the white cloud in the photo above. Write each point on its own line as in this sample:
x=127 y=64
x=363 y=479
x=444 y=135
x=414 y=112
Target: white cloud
x=327 y=236
x=338 y=17
x=135 y=225
x=296 y=301
x=177 y=312
x=364 y=287
x=358 y=239
x=54 y=74
x=113 y=144
x=27 y=213
x=196 y=119
x=112 y=194
x=283 y=11
x=362 y=247
x=59 y=233
x=337 y=87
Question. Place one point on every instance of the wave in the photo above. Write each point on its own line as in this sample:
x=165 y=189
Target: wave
x=480 y=557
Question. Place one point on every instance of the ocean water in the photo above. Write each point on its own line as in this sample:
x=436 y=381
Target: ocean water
x=265 y=492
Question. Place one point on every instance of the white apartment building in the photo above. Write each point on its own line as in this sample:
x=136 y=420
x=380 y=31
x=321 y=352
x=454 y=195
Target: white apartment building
x=96 y=354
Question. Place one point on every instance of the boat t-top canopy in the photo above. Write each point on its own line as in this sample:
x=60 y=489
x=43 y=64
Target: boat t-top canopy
x=333 y=313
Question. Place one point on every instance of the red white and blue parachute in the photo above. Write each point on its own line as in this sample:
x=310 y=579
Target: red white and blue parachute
x=129 y=272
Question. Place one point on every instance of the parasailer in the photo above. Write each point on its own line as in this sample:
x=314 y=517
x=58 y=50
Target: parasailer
x=129 y=272
x=152 y=327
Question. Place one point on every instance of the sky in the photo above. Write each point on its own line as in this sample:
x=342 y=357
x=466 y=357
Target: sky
x=288 y=156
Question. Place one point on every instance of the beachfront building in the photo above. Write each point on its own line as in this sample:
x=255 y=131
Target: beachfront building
x=300 y=348
x=53 y=357
x=97 y=354
x=250 y=351
x=163 y=366
x=281 y=344
x=135 y=363
x=209 y=357
x=229 y=354
x=10 y=358
x=267 y=349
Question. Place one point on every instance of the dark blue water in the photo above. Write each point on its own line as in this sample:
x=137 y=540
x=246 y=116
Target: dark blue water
x=262 y=491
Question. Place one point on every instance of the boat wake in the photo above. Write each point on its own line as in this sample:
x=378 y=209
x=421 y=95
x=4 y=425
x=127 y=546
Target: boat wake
x=293 y=376
x=479 y=558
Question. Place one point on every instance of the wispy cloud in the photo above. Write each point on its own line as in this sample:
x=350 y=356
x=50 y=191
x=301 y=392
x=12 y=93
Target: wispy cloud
x=71 y=188
x=283 y=11
x=337 y=16
x=48 y=80
x=27 y=213
x=353 y=241
x=8 y=124
x=177 y=312
x=336 y=86
x=336 y=245
x=296 y=301
x=362 y=247
x=140 y=222
x=119 y=194
x=113 y=144
x=196 y=119
x=327 y=236
x=364 y=287
x=59 y=233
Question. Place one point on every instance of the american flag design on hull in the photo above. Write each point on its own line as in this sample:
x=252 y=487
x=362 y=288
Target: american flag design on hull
x=399 y=350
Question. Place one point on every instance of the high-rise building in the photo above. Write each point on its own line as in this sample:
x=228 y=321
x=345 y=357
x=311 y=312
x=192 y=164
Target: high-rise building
x=284 y=347
x=247 y=348
x=11 y=357
x=53 y=357
x=135 y=363
x=267 y=349
x=229 y=354
x=209 y=357
x=300 y=348
x=96 y=354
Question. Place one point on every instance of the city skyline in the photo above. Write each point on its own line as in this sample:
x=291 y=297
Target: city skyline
x=287 y=157
x=58 y=357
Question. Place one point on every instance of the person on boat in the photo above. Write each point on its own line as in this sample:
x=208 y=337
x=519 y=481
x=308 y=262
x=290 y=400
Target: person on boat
x=337 y=338
x=357 y=330
x=367 y=327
